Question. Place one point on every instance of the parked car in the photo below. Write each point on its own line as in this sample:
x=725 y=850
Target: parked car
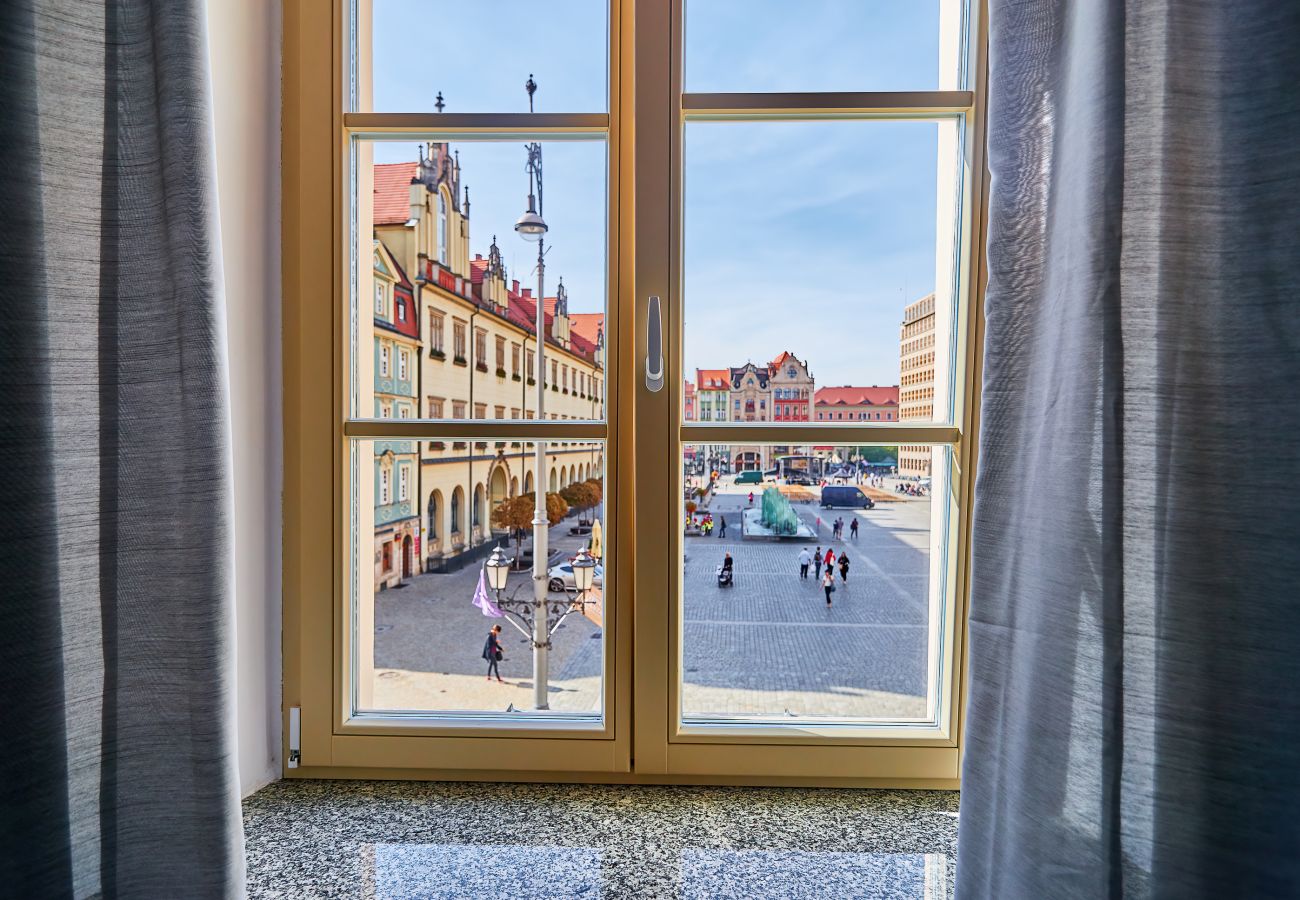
x=798 y=478
x=561 y=577
x=845 y=495
x=752 y=476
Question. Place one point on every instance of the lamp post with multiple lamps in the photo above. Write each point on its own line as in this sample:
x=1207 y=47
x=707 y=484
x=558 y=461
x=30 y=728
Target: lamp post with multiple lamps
x=532 y=227
x=538 y=617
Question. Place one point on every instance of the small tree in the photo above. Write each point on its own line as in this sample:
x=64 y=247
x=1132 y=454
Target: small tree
x=516 y=514
x=691 y=507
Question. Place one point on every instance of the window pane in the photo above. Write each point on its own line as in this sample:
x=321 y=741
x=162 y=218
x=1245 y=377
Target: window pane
x=477 y=56
x=420 y=638
x=822 y=45
x=819 y=271
x=453 y=329
x=765 y=645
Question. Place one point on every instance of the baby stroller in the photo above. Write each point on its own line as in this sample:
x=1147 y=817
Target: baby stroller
x=725 y=576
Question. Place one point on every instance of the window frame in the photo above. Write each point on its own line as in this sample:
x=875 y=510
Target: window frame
x=319 y=79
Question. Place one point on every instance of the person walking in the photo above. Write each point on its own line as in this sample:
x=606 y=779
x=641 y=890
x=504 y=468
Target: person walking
x=844 y=567
x=493 y=653
x=805 y=560
x=722 y=526
x=829 y=560
x=828 y=585
x=853 y=528
x=817 y=561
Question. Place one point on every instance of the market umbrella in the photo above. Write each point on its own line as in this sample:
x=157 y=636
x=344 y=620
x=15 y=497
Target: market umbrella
x=596 y=550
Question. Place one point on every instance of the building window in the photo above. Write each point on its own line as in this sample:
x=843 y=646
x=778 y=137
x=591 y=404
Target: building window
x=400 y=307
x=380 y=307
x=514 y=360
x=435 y=332
x=531 y=357
x=401 y=365
x=500 y=412
x=457 y=409
x=458 y=340
x=480 y=349
x=403 y=412
x=383 y=360
x=403 y=483
x=442 y=228
x=435 y=408
x=501 y=355
x=385 y=485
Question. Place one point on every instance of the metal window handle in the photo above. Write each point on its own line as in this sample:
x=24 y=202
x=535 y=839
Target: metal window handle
x=654 y=357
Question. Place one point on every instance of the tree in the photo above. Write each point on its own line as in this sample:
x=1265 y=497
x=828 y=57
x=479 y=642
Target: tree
x=581 y=495
x=691 y=507
x=516 y=515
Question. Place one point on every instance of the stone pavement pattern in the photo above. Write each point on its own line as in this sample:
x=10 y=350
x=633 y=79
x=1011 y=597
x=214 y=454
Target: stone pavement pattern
x=766 y=647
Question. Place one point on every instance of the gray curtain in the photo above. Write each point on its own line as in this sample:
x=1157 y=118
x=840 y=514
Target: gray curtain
x=1133 y=724
x=117 y=772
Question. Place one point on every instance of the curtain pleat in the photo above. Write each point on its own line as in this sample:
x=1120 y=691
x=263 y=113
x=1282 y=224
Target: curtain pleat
x=1133 y=720
x=118 y=773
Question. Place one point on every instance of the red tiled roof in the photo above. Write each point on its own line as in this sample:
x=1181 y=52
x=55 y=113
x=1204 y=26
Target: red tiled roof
x=588 y=325
x=713 y=379
x=857 y=396
x=393 y=192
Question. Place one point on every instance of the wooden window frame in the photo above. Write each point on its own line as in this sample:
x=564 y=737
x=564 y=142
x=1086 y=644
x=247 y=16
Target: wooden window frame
x=633 y=745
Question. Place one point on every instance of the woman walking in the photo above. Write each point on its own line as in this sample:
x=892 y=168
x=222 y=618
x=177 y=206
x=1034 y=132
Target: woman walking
x=829 y=561
x=492 y=653
x=828 y=585
x=844 y=567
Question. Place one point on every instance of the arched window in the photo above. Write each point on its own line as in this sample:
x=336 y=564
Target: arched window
x=433 y=516
x=455 y=511
x=442 y=228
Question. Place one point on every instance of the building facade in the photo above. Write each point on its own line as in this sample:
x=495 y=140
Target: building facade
x=857 y=404
x=396 y=349
x=476 y=346
x=916 y=381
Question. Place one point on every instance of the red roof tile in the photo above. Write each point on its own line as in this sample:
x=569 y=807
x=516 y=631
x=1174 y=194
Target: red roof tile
x=713 y=379
x=393 y=192
x=857 y=396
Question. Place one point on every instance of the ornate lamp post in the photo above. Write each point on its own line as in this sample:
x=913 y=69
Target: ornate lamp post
x=538 y=617
x=532 y=227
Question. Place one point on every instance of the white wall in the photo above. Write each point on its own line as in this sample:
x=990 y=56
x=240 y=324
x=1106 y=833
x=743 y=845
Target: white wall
x=244 y=48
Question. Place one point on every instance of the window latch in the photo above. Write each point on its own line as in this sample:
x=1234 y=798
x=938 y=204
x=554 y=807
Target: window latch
x=654 y=358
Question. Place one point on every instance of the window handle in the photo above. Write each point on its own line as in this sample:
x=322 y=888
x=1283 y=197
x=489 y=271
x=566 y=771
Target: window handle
x=654 y=357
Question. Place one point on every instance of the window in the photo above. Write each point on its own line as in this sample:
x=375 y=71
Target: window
x=400 y=306
x=501 y=356
x=442 y=228
x=879 y=703
x=435 y=332
x=381 y=308
x=458 y=340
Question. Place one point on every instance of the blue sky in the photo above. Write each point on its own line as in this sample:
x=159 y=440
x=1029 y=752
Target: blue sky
x=808 y=237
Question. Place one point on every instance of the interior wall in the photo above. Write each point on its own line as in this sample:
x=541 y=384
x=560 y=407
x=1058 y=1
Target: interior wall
x=244 y=49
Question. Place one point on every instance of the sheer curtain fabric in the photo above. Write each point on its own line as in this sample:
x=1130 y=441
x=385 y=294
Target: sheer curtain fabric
x=1133 y=723
x=117 y=776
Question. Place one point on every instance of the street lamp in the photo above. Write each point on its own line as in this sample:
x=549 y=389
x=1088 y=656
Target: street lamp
x=584 y=571
x=498 y=569
x=532 y=227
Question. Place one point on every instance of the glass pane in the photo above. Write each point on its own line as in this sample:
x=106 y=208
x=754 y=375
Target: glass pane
x=819 y=270
x=477 y=57
x=446 y=298
x=762 y=638
x=823 y=45
x=427 y=516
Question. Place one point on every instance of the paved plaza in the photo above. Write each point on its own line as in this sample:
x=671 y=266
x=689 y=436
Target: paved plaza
x=768 y=646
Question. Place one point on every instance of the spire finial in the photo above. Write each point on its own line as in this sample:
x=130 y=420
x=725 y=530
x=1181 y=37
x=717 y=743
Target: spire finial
x=438 y=103
x=531 y=87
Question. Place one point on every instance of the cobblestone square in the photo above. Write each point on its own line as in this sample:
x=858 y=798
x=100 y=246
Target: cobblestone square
x=767 y=646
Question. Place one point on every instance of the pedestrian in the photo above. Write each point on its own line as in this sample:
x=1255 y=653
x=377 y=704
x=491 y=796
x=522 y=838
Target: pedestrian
x=805 y=560
x=722 y=526
x=853 y=529
x=828 y=585
x=844 y=567
x=829 y=560
x=817 y=558
x=493 y=653
x=751 y=498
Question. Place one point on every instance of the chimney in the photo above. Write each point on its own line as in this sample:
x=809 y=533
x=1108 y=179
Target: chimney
x=514 y=286
x=528 y=292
